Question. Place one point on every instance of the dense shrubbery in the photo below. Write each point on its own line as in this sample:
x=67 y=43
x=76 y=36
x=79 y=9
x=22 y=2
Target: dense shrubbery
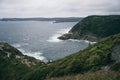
x=94 y=28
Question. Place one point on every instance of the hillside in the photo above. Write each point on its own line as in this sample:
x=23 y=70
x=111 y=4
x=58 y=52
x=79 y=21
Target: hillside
x=14 y=65
x=100 y=60
x=103 y=56
x=94 y=28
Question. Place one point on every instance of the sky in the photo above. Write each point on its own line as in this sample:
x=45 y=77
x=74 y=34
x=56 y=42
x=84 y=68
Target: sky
x=58 y=8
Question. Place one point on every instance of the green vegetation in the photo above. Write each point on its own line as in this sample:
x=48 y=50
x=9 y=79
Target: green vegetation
x=94 y=58
x=99 y=75
x=98 y=57
x=100 y=61
x=14 y=65
x=94 y=28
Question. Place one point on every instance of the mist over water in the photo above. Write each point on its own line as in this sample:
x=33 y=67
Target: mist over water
x=39 y=38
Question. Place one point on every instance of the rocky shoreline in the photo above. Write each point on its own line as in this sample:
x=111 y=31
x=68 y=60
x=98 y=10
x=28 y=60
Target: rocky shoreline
x=94 y=28
x=75 y=36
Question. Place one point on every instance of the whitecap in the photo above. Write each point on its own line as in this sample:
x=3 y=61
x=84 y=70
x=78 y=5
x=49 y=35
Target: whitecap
x=54 y=38
x=86 y=41
x=63 y=31
x=75 y=40
x=59 y=33
x=18 y=45
x=37 y=55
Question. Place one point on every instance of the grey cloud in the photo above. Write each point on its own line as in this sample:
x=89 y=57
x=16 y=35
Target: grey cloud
x=57 y=8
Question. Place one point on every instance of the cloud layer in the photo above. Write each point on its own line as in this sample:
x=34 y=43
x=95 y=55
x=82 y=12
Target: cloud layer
x=57 y=8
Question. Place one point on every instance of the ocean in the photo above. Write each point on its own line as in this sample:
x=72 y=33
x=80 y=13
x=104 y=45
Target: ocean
x=39 y=38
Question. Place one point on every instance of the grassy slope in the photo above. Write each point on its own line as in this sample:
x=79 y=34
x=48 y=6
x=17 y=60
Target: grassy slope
x=14 y=65
x=94 y=28
x=91 y=59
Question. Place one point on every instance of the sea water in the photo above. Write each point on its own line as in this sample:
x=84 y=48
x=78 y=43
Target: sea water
x=39 y=38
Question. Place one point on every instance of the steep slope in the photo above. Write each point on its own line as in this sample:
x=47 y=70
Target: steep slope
x=104 y=55
x=94 y=28
x=14 y=65
x=101 y=60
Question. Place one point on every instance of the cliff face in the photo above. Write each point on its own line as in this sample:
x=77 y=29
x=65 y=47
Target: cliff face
x=94 y=28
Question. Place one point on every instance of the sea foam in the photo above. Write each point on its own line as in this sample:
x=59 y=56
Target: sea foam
x=85 y=41
x=37 y=55
x=18 y=45
x=58 y=33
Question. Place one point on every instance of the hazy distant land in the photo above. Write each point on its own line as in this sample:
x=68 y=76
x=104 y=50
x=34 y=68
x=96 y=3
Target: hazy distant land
x=55 y=20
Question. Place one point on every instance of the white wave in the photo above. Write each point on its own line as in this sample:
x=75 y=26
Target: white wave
x=63 y=31
x=75 y=40
x=59 y=33
x=54 y=38
x=18 y=45
x=37 y=55
x=86 y=41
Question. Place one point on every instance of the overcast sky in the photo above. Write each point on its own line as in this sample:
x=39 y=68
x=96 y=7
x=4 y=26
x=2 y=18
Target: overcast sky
x=57 y=8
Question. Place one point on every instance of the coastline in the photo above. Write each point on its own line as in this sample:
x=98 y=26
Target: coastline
x=68 y=36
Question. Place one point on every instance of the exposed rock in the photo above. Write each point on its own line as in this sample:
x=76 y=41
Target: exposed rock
x=18 y=57
x=8 y=54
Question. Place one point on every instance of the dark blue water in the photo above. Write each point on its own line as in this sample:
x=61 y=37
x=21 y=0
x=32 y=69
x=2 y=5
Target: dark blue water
x=39 y=39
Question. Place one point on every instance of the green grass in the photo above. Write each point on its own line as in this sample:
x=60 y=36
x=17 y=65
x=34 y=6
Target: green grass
x=91 y=59
x=87 y=62
x=84 y=64
x=12 y=68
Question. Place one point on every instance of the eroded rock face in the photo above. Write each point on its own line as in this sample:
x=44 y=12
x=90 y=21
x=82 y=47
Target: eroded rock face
x=116 y=53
